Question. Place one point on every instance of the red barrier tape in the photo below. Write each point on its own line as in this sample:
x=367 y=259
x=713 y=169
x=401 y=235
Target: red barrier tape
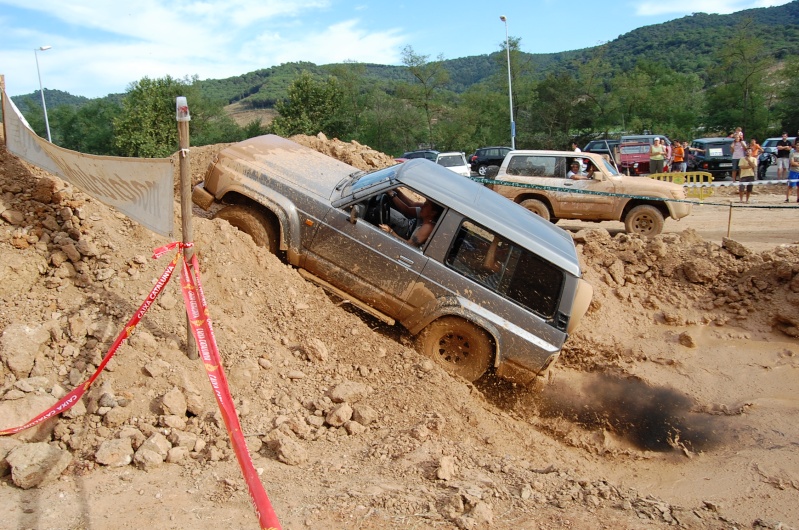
x=197 y=310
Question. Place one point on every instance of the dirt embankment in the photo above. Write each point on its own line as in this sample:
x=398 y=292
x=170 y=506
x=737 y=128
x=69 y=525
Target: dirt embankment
x=674 y=404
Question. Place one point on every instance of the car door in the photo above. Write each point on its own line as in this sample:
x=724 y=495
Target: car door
x=550 y=171
x=362 y=260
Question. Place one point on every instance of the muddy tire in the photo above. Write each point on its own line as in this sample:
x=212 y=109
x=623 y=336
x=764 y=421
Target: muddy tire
x=537 y=207
x=644 y=220
x=458 y=346
x=253 y=223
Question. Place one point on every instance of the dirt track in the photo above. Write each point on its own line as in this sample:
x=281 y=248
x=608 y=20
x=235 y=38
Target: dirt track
x=674 y=404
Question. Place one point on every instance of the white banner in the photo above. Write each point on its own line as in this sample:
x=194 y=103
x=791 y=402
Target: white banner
x=141 y=188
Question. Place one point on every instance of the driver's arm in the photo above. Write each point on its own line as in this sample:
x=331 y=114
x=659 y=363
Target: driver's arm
x=404 y=204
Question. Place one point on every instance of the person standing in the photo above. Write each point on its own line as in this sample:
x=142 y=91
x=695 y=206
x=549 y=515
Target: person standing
x=757 y=149
x=679 y=157
x=783 y=155
x=747 y=165
x=657 y=156
x=793 y=174
x=738 y=152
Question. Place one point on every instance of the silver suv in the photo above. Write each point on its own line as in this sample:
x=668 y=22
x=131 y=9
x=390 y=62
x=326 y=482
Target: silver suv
x=491 y=286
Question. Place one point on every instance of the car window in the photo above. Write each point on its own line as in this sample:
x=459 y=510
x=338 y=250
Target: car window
x=511 y=271
x=451 y=161
x=537 y=166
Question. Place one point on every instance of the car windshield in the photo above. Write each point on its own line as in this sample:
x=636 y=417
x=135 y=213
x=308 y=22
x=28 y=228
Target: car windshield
x=451 y=161
x=361 y=183
x=770 y=143
x=609 y=167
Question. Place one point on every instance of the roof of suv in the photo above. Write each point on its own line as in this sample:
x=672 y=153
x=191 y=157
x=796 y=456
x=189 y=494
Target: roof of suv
x=491 y=210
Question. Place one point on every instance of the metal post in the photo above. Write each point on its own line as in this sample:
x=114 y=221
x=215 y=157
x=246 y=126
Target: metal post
x=504 y=19
x=41 y=90
x=183 y=117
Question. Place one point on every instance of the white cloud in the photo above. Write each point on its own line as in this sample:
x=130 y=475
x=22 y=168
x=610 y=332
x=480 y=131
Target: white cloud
x=701 y=6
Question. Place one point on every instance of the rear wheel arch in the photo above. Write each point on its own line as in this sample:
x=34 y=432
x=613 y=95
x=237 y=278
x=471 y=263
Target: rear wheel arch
x=535 y=203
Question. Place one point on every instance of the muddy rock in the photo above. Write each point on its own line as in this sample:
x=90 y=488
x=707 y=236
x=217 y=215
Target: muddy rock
x=174 y=402
x=116 y=452
x=34 y=464
x=19 y=346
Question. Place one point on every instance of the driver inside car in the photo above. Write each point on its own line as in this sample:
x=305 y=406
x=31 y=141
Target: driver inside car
x=425 y=214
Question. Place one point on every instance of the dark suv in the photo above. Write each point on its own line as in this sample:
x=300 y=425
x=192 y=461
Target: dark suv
x=713 y=155
x=487 y=156
x=602 y=147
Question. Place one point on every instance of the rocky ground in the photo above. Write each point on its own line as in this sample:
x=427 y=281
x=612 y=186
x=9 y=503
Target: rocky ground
x=674 y=404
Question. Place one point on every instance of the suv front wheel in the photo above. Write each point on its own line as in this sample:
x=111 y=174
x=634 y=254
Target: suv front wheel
x=254 y=223
x=458 y=346
x=645 y=220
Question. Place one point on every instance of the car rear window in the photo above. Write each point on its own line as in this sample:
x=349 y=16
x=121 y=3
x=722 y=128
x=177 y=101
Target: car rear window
x=451 y=161
x=516 y=274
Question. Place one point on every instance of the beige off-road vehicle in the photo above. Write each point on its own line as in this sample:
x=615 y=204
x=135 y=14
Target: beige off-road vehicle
x=593 y=195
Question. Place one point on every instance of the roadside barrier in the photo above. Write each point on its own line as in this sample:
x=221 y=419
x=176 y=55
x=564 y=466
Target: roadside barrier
x=689 y=178
x=200 y=322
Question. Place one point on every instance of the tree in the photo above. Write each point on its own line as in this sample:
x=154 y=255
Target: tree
x=146 y=127
x=740 y=95
x=431 y=78
x=88 y=129
x=311 y=107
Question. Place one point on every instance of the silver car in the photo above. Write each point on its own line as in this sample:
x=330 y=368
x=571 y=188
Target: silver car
x=489 y=285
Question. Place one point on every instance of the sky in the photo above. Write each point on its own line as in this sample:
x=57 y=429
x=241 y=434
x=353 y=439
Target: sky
x=101 y=47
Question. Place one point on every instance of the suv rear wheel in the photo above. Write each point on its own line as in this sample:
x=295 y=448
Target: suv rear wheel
x=458 y=346
x=645 y=220
x=254 y=223
x=537 y=207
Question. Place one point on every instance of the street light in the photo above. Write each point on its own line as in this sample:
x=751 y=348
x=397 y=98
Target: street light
x=510 y=90
x=41 y=90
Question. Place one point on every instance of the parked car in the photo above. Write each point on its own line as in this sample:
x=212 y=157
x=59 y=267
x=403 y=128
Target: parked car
x=602 y=147
x=486 y=157
x=429 y=154
x=713 y=155
x=769 y=146
x=634 y=153
x=492 y=286
x=645 y=214
x=454 y=161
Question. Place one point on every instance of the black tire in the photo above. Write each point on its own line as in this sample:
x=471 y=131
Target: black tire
x=492 y=172
x=457 y=345
x=537 y=207
x=254 y=223
x=645 y=220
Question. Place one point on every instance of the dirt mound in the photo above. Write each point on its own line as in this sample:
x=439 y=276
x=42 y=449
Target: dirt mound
x=348 y=425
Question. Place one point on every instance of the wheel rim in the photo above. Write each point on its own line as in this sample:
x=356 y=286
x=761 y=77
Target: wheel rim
x=644 y=224
x=481 y=171
x=455 y=348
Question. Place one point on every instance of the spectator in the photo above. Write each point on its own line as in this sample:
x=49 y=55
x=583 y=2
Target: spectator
x=748 y=165
x=657 y=156
x=793 y=174
x=738 y=152
x=679 y=157
x=757 y=149
x=575 y=172
x=783 y=156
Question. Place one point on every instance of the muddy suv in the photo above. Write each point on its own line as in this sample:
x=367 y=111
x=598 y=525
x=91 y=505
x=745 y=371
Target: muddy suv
x=491 y=286
x=541 y=185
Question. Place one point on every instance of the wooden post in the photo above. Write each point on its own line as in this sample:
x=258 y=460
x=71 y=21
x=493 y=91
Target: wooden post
x=729 y=221
x=2 y=106
x=187 y=230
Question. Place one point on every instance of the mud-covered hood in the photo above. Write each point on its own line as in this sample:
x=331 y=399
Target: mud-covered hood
x=274 y=157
